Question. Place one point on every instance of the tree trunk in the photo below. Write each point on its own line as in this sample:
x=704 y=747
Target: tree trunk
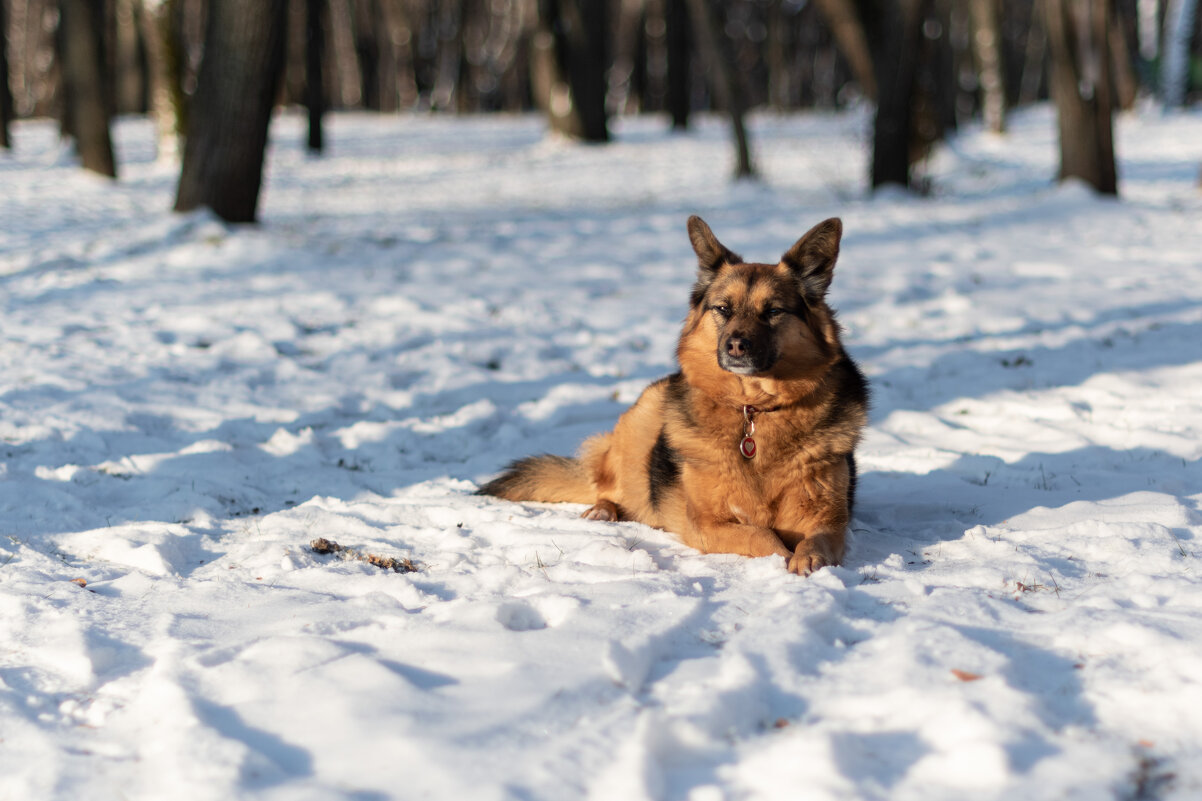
x=231 y=110
x=845 y=25
x=587 y=61
x=1178 y=33
x=680 y=63
x=896 y=68
x=627 y=47
x=777 y=48
x=937 y=71
x=400 y=24
x=367 y=49
x=1078 y=35
x=448 y=83
x=86 y=113
x=569 y=69
x=129 y=65
x=1031 y=84
x=314 y=88
x=1147 y=29
x=165 y=60
x=1126 y=84
x=987 y=49
x=716 y=50
x=346 y=85
x=6 y=95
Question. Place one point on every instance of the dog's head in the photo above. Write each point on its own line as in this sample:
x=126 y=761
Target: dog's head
x=766 y=319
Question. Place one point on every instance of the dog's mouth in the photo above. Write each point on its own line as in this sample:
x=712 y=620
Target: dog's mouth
x=738 y=366
x=747 y=363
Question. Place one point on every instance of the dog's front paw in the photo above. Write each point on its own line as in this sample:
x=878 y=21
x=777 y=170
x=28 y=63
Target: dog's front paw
x=810 y=555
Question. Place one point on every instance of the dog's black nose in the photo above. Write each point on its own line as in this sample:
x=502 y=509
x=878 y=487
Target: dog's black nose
x=737 y=347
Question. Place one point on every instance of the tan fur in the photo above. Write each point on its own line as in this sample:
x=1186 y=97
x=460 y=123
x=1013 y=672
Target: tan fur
x=793 y=498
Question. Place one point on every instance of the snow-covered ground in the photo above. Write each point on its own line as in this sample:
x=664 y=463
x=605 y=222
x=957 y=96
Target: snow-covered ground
x=186 y=406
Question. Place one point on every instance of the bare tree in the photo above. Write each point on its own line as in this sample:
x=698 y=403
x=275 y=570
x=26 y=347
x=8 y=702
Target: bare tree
x=680 y=62
x=448 y=84
x=896 y=66
x=631 y=18
x=165 y=66
x=715 y=49
x=314 y=87
x=1078 y=35
x=884 y=44
x=6 y=95
x=126 y=73
x=1178 y=33
x=586 y=59
x=366 y=24
x=569 y=63
x=987 y=48
x=1126 y=82
x=1034 y=72
x=1147 y=33
x=231 y=110
x=86 y=110
x=845 y=24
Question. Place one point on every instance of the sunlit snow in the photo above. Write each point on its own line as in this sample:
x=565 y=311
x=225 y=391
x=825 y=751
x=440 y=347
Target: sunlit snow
x=185 y=406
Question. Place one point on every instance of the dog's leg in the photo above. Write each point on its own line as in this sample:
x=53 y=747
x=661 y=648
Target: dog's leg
x=813 y=517
x=705 y=521
x=743 y=539
x=709 y=534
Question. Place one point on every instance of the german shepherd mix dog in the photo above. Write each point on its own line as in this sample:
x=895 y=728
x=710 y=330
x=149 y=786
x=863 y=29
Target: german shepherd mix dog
x=749 y=448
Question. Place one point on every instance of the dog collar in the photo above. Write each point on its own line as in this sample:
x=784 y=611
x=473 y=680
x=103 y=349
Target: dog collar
x=747 y=444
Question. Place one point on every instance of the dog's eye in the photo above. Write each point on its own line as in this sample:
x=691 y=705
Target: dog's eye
x=722 y=310
x=775 y=312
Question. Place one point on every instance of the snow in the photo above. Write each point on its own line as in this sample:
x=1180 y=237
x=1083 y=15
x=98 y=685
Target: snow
x=186 y=405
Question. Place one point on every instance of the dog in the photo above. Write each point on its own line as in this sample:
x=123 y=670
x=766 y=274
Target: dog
x=749 y=448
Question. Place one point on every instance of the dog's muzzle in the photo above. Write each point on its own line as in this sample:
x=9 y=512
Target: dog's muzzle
x=740 y=355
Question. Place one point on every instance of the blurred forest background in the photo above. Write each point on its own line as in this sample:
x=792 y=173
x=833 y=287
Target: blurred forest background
x=212 y=71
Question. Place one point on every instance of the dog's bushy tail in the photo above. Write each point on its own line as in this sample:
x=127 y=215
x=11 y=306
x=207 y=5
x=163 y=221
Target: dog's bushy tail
x=551 y=479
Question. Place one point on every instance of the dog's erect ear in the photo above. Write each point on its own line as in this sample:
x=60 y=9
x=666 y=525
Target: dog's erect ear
x=812 y=258
x=711 y=255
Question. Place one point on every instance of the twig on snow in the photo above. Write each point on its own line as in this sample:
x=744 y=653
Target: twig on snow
x=403 y=565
